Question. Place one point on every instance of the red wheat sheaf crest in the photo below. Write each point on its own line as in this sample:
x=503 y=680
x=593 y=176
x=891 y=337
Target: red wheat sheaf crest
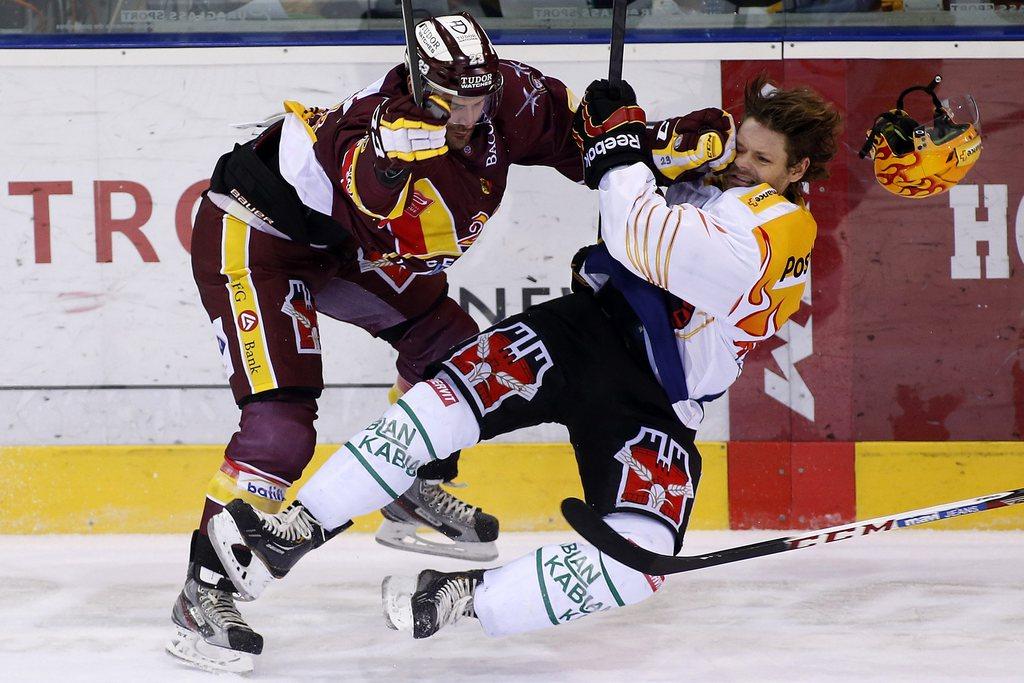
x=650 y=480
x=299 y=307
x=507 y=361
x=397 y=277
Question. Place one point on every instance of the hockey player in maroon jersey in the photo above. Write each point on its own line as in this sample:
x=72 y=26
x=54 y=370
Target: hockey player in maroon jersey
x=354 y=212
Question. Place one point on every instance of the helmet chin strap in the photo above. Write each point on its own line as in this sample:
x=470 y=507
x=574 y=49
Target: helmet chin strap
x=941 y=118
x=930 y=89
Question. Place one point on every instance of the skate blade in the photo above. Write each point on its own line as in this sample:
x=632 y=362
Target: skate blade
x=250 y=580
x=396 y=600
x=190 y=647
x=404 y=537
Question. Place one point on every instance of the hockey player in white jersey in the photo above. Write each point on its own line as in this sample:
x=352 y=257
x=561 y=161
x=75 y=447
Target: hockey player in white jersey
x=665 y=309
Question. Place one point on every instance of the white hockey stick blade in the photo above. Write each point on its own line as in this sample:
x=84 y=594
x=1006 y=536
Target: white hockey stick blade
x=589 y=524
x=265 y=123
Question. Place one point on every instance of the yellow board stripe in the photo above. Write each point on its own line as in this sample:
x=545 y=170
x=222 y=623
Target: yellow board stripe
x=711 y=507
x=896 y=476
x=160 y=489
x=245 y=306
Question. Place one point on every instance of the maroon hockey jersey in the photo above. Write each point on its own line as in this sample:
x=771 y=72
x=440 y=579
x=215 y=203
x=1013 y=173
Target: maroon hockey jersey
x=429 y=218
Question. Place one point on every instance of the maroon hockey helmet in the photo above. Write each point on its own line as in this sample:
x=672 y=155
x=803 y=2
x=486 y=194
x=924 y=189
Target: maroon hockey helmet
x=456 y=56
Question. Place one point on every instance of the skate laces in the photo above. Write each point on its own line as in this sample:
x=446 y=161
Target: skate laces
x=293 y=525
x=454 y=599
x=220 y=607
x=445 y=503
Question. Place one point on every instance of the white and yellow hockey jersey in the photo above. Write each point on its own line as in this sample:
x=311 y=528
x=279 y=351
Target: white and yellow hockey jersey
x=739 y=258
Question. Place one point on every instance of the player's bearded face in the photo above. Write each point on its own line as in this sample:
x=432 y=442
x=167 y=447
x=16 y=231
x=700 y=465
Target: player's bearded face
x=465 y=114
x=761 y=157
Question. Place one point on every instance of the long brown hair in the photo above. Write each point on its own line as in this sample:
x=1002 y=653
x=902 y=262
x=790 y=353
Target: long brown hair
x=809 y=122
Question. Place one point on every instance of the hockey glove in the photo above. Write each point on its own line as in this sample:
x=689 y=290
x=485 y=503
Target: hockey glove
x=610 y=130
x=700 y=142
x=404 y=133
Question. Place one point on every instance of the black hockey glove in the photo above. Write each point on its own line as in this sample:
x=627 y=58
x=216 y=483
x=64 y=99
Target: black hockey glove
x=610 y=130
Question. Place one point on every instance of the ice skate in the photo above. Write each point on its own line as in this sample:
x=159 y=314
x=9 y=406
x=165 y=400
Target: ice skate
x=424 y=603
x=257 y=547
x=210 y=632
x=426 y=504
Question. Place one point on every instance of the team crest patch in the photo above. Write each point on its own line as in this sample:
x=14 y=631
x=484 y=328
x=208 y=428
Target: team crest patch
x=507 y=361
x=397 y=277
x=298 y=305
x=649 y=481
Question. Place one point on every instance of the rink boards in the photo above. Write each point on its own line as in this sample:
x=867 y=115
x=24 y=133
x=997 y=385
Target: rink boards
x=899 y=383
x=744 y=485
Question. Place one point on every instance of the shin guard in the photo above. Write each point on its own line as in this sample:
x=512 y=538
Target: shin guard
x=557 y=584
x=379 y=464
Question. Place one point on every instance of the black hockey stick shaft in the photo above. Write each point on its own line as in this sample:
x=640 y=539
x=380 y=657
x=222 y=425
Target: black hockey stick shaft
x=615 y=58
x=618 y=42
x=588 y=523
x=412 y=52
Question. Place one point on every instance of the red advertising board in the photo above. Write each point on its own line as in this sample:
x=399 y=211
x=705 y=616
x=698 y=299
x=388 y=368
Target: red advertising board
x=915 y=325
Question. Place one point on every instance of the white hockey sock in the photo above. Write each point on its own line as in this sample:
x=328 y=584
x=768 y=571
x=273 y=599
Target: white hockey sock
x=557 y=584
x=377 y=465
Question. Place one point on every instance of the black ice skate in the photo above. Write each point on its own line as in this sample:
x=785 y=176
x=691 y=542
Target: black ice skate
x=256 y=547
x=425 y=603
x=210 y=632
x=427 y=504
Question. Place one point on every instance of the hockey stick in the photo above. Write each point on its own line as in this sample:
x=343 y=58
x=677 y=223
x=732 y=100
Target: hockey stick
x=618 y=42
x=615 y=58
x=412 y=53
x=588 y=523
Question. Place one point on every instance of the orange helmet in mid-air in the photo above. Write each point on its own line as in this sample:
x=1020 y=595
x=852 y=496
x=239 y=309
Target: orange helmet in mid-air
x=916 y=161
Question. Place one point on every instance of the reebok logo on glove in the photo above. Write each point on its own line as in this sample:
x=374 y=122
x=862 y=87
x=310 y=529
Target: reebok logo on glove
x=610 y=144
x=611 y=130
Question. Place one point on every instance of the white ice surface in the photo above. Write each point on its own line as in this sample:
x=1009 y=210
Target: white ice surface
x=906 y=606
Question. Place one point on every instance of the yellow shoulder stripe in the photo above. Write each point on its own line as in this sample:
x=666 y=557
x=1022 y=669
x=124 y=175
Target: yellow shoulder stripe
x=353 y=191
x=303 y=113
x=571 y=99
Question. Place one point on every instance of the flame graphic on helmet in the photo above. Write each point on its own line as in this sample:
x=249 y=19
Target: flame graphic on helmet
x=916 y=161
x=917 y=175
